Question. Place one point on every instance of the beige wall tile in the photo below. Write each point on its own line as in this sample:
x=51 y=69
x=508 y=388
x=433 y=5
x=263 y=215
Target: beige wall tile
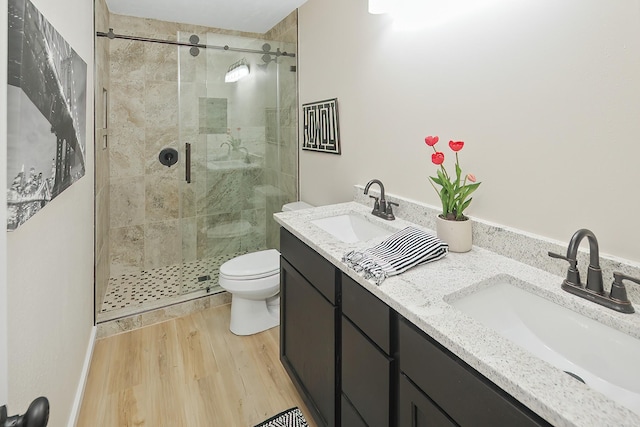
x=127 y=249
x=126 y=104
x=162 y=244
x=160 y=62
x=127 y=205
x=126 y=149
x=161 y=101
x=162 y=200
x=127 y=59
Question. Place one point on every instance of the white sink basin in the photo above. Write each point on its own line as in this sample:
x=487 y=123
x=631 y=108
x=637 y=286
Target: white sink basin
x=605 y=358
x=350 y=228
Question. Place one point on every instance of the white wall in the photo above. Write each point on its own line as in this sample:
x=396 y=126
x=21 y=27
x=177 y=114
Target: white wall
x=3 y=209
x=546 y=95
x=50 y=260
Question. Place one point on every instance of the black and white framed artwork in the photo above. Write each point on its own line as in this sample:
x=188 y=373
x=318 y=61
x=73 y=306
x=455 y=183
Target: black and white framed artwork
x=46 y=111
x=321 y=130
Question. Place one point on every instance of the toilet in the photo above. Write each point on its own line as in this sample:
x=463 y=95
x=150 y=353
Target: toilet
x=253 y=280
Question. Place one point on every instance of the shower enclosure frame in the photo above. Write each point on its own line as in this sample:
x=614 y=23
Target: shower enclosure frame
x=270 y=191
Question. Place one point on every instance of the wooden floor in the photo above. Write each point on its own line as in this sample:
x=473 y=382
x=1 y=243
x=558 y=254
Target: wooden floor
x=191 y=371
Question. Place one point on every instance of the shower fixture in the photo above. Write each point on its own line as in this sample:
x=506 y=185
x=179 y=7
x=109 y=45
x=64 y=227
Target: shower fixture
x=237 y=71
x=195 y=50
x=269 y=56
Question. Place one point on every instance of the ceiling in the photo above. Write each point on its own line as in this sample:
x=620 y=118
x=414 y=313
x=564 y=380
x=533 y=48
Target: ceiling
x=256 y=16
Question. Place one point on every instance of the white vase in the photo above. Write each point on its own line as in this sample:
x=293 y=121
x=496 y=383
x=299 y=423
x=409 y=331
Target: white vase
x=457 y=234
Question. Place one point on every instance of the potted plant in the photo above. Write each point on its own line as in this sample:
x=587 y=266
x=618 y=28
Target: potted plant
x=452 y=226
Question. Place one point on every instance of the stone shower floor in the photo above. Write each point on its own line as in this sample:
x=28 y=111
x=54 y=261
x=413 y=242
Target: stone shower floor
x=150 y=289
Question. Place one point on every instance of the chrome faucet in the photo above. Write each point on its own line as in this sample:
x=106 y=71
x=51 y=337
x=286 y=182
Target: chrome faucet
x=593 y=290
x=381 y=207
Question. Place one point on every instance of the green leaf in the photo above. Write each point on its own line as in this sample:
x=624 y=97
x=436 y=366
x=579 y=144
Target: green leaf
x=466 y=204
x=473 y=187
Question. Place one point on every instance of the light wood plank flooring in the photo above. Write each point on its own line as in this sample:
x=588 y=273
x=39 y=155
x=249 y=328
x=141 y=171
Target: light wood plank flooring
x=192 y=372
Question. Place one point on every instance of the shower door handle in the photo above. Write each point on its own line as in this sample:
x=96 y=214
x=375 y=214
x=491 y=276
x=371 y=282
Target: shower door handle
x=187 y=168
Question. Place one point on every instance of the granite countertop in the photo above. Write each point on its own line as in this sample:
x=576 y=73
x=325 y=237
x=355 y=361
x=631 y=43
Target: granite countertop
x=421 y=295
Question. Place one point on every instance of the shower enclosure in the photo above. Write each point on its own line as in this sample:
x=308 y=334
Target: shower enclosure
x=238 y=133
x=172 y=226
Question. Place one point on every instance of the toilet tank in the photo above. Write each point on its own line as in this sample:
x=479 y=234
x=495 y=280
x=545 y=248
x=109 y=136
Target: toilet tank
x=294 y=206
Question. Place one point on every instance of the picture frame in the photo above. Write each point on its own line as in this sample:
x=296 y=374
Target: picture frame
x=46 y=112
x=321 y=128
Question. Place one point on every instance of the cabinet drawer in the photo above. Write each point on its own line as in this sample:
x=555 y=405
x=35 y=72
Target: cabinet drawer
x=366 y=376
x=367 y=312
x=320 y=272
x=465 y=395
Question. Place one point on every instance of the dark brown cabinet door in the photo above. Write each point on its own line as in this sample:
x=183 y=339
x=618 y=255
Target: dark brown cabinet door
x=307 y=342
x=349 y=416
x=417 y=410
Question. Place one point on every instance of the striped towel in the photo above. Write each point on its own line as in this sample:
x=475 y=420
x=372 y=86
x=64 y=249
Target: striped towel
x=396 y=254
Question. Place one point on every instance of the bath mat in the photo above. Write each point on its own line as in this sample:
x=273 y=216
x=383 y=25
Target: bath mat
x=290 y=418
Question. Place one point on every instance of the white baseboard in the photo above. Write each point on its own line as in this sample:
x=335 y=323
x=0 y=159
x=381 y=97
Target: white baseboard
x=75 y=411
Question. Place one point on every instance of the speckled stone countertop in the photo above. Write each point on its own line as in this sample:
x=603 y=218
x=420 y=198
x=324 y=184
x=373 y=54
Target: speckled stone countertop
x=421 y=295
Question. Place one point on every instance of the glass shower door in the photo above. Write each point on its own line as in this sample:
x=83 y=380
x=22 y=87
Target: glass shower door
x=238 y=134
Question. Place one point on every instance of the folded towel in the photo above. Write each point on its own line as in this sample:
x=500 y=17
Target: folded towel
x=396 y=254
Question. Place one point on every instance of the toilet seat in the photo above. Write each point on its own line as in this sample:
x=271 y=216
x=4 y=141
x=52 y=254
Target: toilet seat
x=253 y=280
x=255 y=265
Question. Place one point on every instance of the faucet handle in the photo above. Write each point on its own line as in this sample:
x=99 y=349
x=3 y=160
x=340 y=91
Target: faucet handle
x=573 y=275
x=389 y=211
x=555 y=255
x=618 y=291
x=376 y=204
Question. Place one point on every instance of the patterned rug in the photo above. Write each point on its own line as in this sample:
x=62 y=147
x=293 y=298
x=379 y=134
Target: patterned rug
x=290 y=418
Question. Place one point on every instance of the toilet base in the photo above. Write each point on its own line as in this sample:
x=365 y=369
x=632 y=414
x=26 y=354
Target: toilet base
x=249 y=317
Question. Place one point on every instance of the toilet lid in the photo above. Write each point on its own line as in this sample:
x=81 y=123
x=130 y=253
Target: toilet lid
x=254 y=265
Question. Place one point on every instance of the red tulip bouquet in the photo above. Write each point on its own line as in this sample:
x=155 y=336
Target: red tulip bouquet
x=454 y=192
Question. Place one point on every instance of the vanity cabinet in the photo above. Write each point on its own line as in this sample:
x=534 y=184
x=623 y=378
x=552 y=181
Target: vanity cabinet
x=368 y=358
x=358 y=363
x=309 y=318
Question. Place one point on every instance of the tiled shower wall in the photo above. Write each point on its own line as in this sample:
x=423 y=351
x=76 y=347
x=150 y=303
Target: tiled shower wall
x=151 y=206
x=102 y=156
